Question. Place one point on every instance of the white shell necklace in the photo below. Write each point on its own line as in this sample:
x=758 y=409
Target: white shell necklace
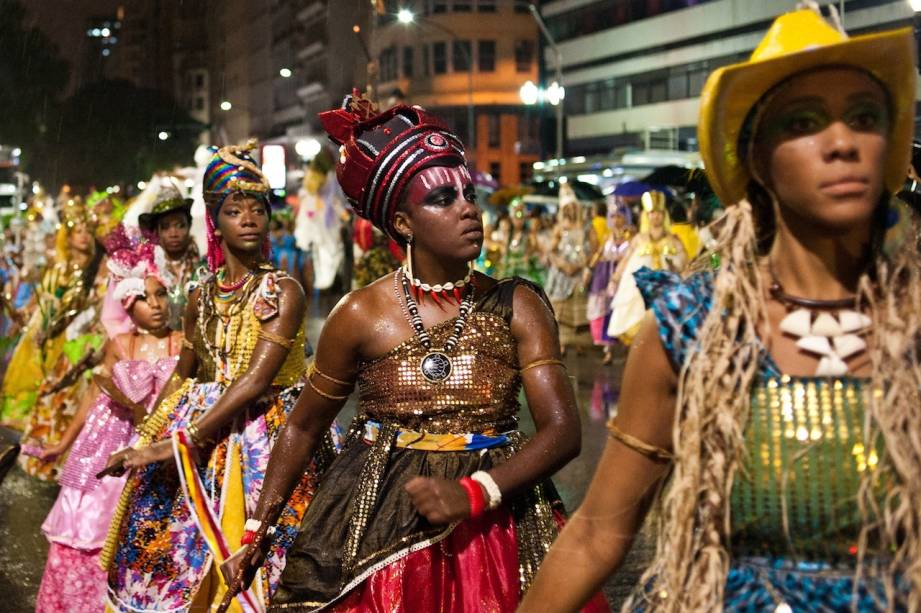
x=833 y=338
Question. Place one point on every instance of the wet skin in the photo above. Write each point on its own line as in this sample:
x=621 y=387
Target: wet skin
x=820 y=149
x=440 y=213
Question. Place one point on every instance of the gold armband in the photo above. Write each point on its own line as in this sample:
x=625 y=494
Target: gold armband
x=314 y=370
x=265 y=335
x=537 y=363
x=320 y=392
x=656 y=454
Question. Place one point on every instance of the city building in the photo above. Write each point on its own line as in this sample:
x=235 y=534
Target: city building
x=462 y=59
x=275 y=65
x=102 y=38
x=633 y=70
x=330 y=58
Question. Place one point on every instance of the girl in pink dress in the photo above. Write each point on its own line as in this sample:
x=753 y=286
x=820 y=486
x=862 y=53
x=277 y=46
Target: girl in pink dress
x=139 y=359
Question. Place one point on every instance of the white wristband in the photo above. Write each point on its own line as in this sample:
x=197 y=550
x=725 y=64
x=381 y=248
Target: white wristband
x=253 y=525
x=492 y=490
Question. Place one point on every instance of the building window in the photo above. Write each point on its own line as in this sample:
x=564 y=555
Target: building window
x=495 y=169
x=408 y=62
x=463 y=6
x=389 y=64
x=528 y=134
x=426 y=61
x=521 y=7
x=486 y=6
x=199 y=104
x=696 y=80
x=461 y=54
x=439 y=58
x=678 y=86
x=492 y=129
x=439 y=6
x=486 y=50
x=524 y=171
x=524 y=54
x=199 y=80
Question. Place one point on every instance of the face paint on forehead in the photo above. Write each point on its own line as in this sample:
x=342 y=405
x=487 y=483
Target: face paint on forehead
x=437 y=176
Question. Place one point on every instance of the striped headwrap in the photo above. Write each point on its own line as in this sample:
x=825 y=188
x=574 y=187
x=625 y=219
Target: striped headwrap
x=231 y=170
x=380 y=153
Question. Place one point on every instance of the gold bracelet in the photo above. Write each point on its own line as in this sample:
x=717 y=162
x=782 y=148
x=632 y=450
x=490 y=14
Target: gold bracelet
x=314 y=370
x=187 y=344
x=195 y=436
x=656 y=454
x=537 y=363
x=265 y=335
x=320 y=392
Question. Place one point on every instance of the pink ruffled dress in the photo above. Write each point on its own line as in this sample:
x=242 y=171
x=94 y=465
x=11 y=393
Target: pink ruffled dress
x=78 y=522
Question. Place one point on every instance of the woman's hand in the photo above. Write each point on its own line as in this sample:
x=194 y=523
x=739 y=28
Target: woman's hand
x=438 y=500
x=240 y=569
x=115 y=465
x=52 y=451
x=158 y=452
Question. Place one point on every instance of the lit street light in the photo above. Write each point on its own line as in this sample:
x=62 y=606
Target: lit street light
x=308 y=149
x=405 y=16
x=163 y=135
x=226 y=106
x=285 y=72
x=915 y=5
x=530 y=93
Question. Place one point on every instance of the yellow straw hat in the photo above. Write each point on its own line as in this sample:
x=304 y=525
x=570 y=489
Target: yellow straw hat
x=797 y=42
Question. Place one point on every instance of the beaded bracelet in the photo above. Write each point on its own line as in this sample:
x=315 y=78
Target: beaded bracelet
x=195 y=436
x=475 y=496
x=492 y=489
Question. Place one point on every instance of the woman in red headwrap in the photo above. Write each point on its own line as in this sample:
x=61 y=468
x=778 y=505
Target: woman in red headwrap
x=437 y=501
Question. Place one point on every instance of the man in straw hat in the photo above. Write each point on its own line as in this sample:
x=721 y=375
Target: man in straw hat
x=780 y=390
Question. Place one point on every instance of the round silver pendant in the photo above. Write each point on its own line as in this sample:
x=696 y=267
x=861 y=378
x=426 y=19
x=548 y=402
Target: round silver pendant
x=435 y=367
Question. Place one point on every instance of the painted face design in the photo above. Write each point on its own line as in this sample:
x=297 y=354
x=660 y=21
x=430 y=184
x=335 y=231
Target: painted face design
x=440 y=183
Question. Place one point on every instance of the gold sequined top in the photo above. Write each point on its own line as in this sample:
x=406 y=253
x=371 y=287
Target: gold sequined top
x=226 y=345
x=804 y=460
x=480 y=394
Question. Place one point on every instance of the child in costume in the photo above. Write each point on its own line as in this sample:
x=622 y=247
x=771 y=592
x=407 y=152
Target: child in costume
x=136 y=365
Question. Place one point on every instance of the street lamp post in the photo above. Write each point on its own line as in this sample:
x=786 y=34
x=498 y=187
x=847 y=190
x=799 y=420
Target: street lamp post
x=405 y=16
x=559 y=76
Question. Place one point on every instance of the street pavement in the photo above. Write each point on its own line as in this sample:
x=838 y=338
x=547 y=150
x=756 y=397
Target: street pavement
x=24 y=502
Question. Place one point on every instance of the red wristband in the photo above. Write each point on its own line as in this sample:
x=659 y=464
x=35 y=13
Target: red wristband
x=248 y=537
x=475 y=496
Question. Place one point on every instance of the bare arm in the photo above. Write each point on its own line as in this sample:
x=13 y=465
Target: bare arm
x=79 y=418
x=550 y=398
x=598 y=537
x=337 y=356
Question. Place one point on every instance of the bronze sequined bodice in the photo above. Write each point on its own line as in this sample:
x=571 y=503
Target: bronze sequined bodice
x=480 y=394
